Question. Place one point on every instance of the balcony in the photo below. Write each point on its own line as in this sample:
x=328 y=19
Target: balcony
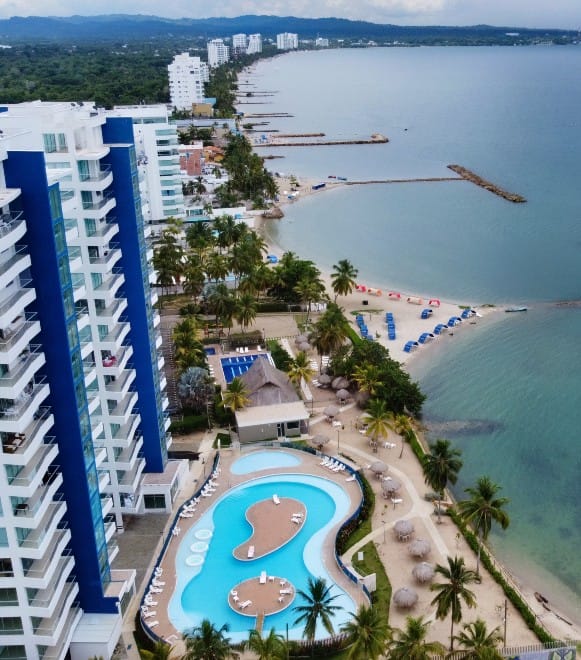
x=36 y=473
x=46 y=600
x=12 y=229
x=126 y=434
x=79 y=286
x=59 y=650
x=21 y=444
x=39 y=538
x=100 y=456
x=112 y=312
x=16 y=380
x=110 y=530
x=16 y=302
x=99 y=179
x=109 y=287
x=168 y=440
x=71 y=229
x=56 y=558
x=120 y=413
x=112 y=550
x=16 y=417
x=31 y=512
x=49 y=630
x=160 y=362
x=128 y=457
x=112 y=342
x=85 y=151
x=118 y=388
x=99 y=206
x=104 y=479
x=11 y=268
x=130 y=479
x=103 y=233
x=16 y=337
x=106 y=504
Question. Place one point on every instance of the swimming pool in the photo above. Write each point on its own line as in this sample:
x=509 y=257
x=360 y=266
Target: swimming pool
x=223 y=527
x=239 y=364
x=263 y=460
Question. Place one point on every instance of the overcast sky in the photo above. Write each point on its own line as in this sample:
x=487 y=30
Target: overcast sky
x=522 y=13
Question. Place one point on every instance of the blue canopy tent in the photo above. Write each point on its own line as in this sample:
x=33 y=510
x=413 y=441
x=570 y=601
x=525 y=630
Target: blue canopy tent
x=426 y=313
x=272 y=258
x=410 y=346
x=454 y=320
x=440 y=328
x=425 y=337
x=468 y=313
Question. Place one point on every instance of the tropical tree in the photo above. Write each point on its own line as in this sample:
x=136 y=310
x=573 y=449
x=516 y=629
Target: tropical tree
x=271 y=647
x=194 y=276
x=161 y=651
x=235 y=396
x=402 y=424
x=188 y=350
x=453 y=591
x=441 y=466
x=478 y=643
x=411 y=644
x=195 y=388
x=318 y=605
x=168 y=255
x=223 y=304
x=217 y=267
x=367 y=634
x=368 y=378
x=343 y=278
x=300 y=368
x=482 y=509
x=309 y=290
x=206 y=642
x=330 y=331
x=245 y=310
x=377 y=419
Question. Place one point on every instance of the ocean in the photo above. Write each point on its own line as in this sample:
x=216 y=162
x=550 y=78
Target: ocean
x=510 y=387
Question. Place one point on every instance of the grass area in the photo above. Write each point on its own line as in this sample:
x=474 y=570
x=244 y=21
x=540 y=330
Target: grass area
x=224 y=438
x=371 y=563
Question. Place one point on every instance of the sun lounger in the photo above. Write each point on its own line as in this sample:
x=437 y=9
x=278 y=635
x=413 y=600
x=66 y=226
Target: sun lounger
x=297 y=521
x=351 y=478
x=275 y=499
x=245 y=604
x=262 y=578
x=157 y=583
x=271 y=578
x=146 y=615
x=285 y=592
x=280 y=599
x=235 y=599
x=298 y=515
x=185 y=514
x=156 y=590
x=207 y=494
x=282 y=583
x=251 y=551
x=153 y=624
x=158 y=570
x=396 y=500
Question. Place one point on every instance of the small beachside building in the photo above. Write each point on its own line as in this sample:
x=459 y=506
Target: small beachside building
x=275 y=411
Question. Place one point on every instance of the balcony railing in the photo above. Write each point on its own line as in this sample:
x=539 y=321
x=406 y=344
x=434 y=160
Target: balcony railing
x=14 y=375
x=17 y=409
x=103 y=173
x=97 y=204
x=9 y=222
x=9 y=304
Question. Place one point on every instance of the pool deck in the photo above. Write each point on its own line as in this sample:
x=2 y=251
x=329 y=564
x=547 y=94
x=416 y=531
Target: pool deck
x=277 y=528
x=272 y=527
x=254 y=598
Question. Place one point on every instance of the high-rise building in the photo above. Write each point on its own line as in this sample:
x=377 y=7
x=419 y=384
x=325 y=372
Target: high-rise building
x=82 y=400
x=187 y=76
x=254 y=44
x=287 y=41
x=158 y=161
x=218 y=53
x=321 y=42
x=239 y=44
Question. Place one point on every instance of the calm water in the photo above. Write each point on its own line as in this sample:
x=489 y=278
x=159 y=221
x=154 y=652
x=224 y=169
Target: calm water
x=512 y=115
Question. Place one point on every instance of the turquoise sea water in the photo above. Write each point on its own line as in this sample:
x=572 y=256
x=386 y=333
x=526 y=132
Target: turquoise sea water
x=512 y=116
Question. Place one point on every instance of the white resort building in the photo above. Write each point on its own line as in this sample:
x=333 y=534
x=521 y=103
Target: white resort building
x=218 y=53
x=254 y=44
x=83 y=422
x=287 y=41
x=187 y=76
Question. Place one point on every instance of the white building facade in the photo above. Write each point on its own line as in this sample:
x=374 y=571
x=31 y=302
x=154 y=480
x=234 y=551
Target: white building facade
x=254 y=44
x=239 y=44
x=287 y=41
x=187 y=76
x=218 y=53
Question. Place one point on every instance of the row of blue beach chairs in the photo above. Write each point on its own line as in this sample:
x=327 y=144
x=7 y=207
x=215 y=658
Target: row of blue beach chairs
x=390 y=325
x=363 y=329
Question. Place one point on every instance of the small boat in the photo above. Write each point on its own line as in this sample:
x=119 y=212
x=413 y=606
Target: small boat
x=516 y=309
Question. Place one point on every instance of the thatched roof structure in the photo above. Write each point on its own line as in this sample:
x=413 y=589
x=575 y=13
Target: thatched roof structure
x=267 y=386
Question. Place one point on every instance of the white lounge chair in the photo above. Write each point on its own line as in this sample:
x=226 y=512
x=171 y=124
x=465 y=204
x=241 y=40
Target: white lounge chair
x=276 y=499
x=158 y=583
x=156 y=590
x=146 y=615
x=297 y=521
x=151 y=603
x=298 y=515
x=281 y=599
x=235 y=599
x=282 y=583
x=245 y=604
x=153 y=624
x=185 y=514
x=285 y=592
x=351 y=478
x=251 y=551
x=262 y=578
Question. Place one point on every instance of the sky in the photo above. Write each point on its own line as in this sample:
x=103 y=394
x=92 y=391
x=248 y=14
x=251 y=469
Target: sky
x=522 y=13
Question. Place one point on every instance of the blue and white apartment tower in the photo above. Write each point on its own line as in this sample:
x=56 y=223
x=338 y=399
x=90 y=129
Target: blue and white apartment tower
x=82 y=401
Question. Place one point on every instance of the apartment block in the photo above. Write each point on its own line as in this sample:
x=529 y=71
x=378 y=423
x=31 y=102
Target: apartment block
x=254 y=44
x=218 y=53
x=83 y=420
x=187 y=76
x=287 y=41
x=239 y=44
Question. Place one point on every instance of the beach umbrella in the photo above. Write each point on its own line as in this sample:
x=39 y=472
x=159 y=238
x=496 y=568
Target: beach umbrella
x=419 y=548
x=304 y=346
x=423 y=572
x=299 y=339
x=340 y=383
x=379 y=467
x=320 y=440
x=403 y=529
x=325 y=379
x=390 y=485
x=331 y=411
x=342 y=395
x=405 y=597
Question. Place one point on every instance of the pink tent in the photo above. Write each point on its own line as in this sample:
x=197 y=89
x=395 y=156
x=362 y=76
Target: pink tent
x=361 y=287
x=415 y=301
x=434 y=302
x=394 y=294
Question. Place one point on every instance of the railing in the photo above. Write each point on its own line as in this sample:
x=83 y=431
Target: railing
x=9 y=304
x=97 y=204
x=103 y=173
x=9 y=222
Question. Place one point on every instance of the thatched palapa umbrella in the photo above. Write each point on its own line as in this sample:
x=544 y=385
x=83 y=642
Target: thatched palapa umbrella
x=420 y=548
x=379 y=467
x=340 y=383
x=319 y=440
x=299 y=339
x=423 y=572
x=390 y=485
x=403 y=529
x=342 y=395
x=325 y=379
x=304 y=346
x=331 y=411
x=405 y=597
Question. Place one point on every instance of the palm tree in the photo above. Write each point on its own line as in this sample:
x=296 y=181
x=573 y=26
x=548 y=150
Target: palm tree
x=343 y=278
x=318 y=605
x=223 y=304
x=377 y=419
x=368 y=378
x=478 y=643
x=411 y=644
x=452 y=592
x=330 y=330
x=245 y=310
x=206 y=642
x=367 y=634
x=161 y=651
x=309 y=291
x=441 y=467
x=482 y=509
x=300 y=368
x=272 y=647
x=236 y=395
x=403 y=426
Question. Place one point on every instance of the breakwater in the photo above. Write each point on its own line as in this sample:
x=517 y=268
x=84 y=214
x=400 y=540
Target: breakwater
x=468 y=175
x=376 y=138
x=416 y=180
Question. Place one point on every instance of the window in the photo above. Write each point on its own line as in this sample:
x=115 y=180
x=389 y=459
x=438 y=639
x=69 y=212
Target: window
x=4 y=544
x=54 y=197
x=154 y=501
x=49 y=140
x=6 y=569
x=10 y=625
x=8 y=597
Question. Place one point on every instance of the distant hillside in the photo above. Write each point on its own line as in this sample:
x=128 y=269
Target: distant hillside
x=121 y=27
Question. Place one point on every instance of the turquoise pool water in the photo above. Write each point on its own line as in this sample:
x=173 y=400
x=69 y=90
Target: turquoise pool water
x=204 y=577
x=264 y=460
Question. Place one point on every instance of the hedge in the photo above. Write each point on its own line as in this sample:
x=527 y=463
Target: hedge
x=356 y=529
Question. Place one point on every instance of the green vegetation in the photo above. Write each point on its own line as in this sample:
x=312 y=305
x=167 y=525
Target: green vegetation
x=371 y=563
x=359 y=527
